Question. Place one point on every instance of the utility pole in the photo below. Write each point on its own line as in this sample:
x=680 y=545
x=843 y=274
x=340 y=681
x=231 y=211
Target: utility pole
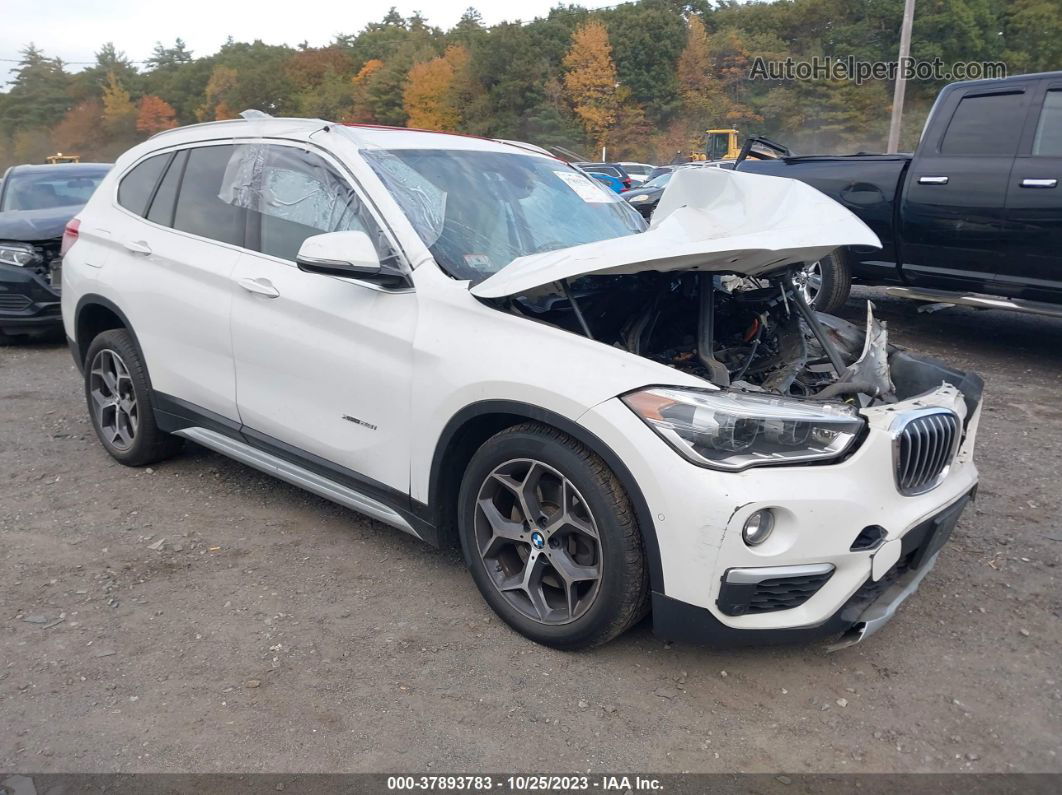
x=901 y=82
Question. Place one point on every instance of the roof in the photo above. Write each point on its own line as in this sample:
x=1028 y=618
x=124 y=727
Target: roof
x=49 y=168
x=996 y=81
x=369 y=135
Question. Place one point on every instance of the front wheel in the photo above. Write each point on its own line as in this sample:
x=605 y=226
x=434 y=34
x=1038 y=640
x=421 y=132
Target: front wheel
x=551 y=539
x=825 y=283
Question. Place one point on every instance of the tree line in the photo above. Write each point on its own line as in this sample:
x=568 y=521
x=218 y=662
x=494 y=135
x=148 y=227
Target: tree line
x=643 y=79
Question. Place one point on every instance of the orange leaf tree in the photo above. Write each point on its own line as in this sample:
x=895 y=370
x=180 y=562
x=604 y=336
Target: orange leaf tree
x=435 y=90
x=155 y=114
x=590 y=80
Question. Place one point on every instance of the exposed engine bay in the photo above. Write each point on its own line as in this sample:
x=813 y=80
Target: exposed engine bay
x=753 y=334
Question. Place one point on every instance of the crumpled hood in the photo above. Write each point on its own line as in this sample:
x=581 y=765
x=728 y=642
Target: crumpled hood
x=31 y=226
x=708 y=219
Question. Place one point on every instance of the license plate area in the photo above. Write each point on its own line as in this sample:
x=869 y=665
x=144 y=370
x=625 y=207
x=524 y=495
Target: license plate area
x=935 y=534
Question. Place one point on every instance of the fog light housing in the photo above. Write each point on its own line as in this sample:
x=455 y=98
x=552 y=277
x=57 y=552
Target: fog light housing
x=758 y=527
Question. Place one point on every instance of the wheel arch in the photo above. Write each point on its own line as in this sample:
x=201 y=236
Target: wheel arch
x=93 y=315
x=473 y=425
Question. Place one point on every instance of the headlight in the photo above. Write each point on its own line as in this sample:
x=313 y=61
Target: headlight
x=639 y=198
x=736 y=430
x=20 y=254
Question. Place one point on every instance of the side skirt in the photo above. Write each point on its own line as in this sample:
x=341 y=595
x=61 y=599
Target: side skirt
x=297 y=476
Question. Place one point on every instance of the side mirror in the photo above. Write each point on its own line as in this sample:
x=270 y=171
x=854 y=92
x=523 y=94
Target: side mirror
x=350 y=254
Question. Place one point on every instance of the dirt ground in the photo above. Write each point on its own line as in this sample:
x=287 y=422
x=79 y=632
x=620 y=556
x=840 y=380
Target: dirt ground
x=202 y=616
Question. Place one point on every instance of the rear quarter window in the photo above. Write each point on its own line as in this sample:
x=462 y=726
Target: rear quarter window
x=136 y=187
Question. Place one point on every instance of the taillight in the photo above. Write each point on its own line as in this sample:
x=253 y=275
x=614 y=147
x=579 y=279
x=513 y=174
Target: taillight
x=69 y=236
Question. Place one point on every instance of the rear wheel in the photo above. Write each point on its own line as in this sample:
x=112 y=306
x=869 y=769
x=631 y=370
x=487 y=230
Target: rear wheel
x=825 y=283
x=550 y=538
x=119 y=402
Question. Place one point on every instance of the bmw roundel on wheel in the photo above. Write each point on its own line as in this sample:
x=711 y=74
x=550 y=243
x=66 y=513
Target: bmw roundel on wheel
x=481 y=346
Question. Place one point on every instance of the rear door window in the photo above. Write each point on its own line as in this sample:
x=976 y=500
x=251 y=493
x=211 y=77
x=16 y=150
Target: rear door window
x=201 y=210
x=985 y=124
x=136 y=187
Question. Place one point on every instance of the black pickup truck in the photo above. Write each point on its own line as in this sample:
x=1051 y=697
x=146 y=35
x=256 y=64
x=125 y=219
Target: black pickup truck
x=973 y=217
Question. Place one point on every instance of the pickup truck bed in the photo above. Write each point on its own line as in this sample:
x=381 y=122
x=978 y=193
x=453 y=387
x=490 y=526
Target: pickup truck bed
x=976 y=209
x=868 y=185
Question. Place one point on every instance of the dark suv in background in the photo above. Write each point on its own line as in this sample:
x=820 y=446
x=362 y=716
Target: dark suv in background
x=36 y=202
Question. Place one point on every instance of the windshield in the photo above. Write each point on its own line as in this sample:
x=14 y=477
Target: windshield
x=658 y=181
x=42 y=189
x=477 y=211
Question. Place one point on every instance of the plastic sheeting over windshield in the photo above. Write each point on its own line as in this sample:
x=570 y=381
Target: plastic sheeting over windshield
x=423 y=203
x=478 y=210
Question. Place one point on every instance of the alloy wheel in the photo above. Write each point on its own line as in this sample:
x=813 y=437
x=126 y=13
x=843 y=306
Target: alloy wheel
x=113 y=399
x=538 y=541
x=808 y=281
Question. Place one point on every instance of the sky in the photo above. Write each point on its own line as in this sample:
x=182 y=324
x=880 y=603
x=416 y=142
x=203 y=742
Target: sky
x=75 y=29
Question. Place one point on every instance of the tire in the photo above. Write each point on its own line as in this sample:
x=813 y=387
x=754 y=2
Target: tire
x=126 y=428
x=835 y=282
x=596 y=532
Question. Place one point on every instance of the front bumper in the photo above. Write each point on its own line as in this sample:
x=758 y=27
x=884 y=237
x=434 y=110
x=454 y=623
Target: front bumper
x=28 y=304
x=822 y=513
x=863 y=614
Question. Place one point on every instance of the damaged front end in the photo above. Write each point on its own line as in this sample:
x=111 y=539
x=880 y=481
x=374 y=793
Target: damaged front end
x=710 y=290
x=752 y=334
x=30 y=279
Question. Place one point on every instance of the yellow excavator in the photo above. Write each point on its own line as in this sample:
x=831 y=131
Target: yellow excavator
x=717 y=145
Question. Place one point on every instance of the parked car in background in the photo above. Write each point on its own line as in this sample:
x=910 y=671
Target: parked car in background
x=609 y=181
x=612 y=169
x=36 y=201
x=973 y=217
x=646 y=196
x=639 y=172
x=476 y=344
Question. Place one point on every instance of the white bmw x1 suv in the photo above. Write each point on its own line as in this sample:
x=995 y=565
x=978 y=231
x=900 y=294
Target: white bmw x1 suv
x=473 y=342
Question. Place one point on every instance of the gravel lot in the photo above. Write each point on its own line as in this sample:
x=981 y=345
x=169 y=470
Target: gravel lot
x=202 y=616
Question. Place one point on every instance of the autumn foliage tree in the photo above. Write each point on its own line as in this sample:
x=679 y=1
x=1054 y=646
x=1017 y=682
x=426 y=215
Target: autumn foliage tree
x=217 y=95
x=365 y=85
x=700 y=90
x=119 y=112
x=433 y=94
x=80 y=129
x=154 y=115
x=590 y=80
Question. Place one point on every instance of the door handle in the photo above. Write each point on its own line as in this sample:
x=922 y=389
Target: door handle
x=932 y=180
x=1039 y=183
x=259 y=287
x=137 y=246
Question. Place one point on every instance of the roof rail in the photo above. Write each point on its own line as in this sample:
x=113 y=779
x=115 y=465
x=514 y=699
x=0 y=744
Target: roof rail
x=184 y=127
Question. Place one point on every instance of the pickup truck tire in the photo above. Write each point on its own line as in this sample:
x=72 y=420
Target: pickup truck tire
x=834 y=282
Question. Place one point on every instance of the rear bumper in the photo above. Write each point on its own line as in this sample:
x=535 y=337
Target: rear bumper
x=863 y=614
x=27 y=303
